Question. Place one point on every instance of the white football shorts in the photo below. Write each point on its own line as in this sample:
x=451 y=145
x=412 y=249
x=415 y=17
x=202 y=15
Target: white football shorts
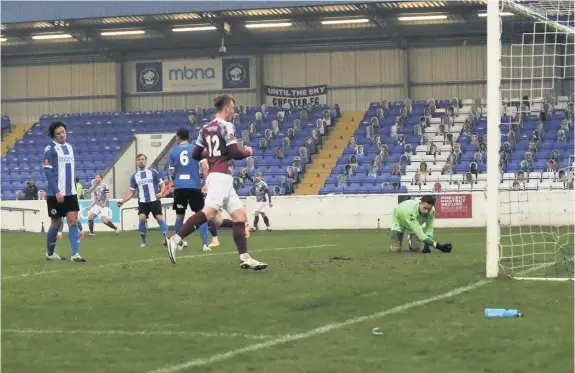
x=221 y=193
x=261 y=206
x=101 y=211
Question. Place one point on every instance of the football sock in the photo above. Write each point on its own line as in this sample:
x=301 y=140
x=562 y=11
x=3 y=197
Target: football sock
x=74 y=237
x=192 y=224
x=204 y=233
x=61 y=227
x=179 y=223
x=111 y=225
x=227 y=223
x=239 y=234
x=51 y=240
x=266 y=221
x=213 y=229
x=163 y=227
x=91 y=226
x=142 y=229
x=256 y=221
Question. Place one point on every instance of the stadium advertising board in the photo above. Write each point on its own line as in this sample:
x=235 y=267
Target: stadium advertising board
x=453 y=206
x=448 y=206
x=295 y=96
x=363 y=211
x=192 y=75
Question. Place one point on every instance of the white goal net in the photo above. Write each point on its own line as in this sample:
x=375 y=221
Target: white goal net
x=536 y=204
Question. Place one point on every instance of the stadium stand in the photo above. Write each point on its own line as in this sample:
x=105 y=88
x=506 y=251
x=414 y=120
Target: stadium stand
x=283 y=143
x=5 y=125
x=426 y=146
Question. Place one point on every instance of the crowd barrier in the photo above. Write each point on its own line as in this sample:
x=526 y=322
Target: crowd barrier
x=460 y=210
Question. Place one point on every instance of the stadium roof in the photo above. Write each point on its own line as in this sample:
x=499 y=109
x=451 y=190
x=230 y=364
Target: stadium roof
x=369 y=25
x=34 y=11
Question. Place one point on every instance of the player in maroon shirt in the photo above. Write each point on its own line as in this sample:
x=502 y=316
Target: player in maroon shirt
x=217 y=143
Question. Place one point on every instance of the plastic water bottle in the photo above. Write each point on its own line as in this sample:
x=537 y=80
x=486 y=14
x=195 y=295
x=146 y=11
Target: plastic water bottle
x=502 y=312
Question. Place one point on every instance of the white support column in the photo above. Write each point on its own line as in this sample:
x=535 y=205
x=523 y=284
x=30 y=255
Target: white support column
x=494 y=138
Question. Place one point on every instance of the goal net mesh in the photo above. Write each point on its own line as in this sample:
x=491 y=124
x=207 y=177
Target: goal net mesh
x=536 y=159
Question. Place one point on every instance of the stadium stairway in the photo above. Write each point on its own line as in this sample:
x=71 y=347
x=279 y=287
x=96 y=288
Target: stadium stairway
x=16 y=134
x=322 y=163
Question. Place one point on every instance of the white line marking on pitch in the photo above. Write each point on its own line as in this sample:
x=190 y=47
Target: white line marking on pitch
x=373 y=231
x=82 y=266
x=137 y=333
x=313 y=332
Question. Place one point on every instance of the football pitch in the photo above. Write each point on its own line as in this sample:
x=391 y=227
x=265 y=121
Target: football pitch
x=128 y=310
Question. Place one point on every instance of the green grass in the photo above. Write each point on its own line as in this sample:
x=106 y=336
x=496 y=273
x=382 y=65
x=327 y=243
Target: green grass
x=69 y=317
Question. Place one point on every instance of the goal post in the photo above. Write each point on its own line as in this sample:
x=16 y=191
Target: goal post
x=493 y=122
x=529 y=87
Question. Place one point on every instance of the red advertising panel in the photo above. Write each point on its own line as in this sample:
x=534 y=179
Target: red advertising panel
x=453 y=206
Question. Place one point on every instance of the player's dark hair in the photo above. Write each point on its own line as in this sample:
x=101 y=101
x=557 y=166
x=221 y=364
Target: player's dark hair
x=183 y=134
x=54 y=126
x=428 y=199
x=142 y=155
x=220 y=102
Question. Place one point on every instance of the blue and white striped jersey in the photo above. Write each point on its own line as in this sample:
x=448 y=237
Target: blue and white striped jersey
x=59 y=158
x=147 y=183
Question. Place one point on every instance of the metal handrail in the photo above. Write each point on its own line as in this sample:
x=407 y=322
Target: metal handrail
x=23 y=210
x=165 y=206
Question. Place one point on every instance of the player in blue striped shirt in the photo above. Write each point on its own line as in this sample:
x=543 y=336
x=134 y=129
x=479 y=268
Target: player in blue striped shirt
x=185 y=172
x=150 y=188
x=61 y=196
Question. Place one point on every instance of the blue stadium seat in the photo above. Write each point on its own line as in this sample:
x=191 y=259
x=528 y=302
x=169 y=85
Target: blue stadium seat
x=547 y=142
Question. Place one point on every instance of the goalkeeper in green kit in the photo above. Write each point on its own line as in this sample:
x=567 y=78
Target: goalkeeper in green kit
x=410 y=217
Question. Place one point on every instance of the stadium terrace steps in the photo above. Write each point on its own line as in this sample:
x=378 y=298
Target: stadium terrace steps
x=17 y=133
x=322 y=163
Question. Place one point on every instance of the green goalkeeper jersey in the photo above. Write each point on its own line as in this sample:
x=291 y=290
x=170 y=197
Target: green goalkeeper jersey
x=406 y=218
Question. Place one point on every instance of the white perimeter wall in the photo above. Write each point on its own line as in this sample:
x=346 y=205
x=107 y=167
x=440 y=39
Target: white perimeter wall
x=352 y=212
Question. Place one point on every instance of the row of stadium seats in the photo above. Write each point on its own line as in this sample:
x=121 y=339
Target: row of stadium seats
x=392 y=147
x=98 y=138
